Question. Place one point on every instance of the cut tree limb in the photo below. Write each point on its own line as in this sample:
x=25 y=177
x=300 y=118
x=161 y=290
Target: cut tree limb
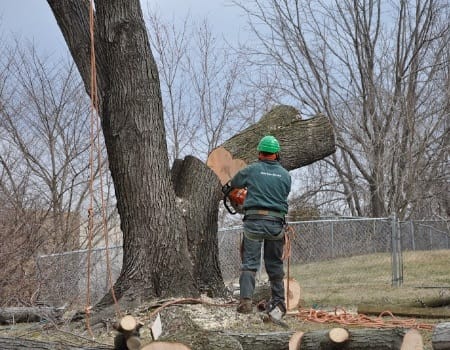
x=360 y=339
x=302 y=141
x=11 y=315
x=10 y=343
x=404 y=311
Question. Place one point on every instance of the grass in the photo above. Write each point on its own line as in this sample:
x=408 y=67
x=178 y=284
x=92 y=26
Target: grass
x=367 y=279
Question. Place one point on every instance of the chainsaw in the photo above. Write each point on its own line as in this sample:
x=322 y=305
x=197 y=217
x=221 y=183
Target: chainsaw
x=236 y=197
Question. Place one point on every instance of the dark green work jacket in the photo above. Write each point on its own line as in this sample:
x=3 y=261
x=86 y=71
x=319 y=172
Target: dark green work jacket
x=268 y=185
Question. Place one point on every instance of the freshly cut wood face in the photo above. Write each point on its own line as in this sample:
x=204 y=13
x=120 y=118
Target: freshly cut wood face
x=224 y=166
x=295 y=341
x=413 y=341
x=338 y=335
x=292 y=294
x=161 y=345
x=128 y=323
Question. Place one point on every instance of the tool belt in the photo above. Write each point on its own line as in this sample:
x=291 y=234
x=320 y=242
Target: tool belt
x=264 y=214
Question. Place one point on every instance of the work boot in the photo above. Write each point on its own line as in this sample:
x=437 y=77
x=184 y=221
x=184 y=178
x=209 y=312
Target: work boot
x=245 y=306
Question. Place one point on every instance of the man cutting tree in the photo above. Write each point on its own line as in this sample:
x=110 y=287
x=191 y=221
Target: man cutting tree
x=268 y=185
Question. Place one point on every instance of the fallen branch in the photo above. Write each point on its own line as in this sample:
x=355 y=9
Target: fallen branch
x=11 y=315
x=404 y=311
x=20 y=343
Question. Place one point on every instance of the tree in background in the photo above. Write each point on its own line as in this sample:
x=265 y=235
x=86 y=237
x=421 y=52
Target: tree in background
x=380 y=72
x=202 y=83
x=43 y=168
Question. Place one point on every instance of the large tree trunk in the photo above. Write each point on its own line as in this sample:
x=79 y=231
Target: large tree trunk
x=155 y=254
x=169 y=244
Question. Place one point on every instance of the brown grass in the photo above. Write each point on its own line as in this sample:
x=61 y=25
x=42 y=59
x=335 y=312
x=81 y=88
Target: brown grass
x=367 y=279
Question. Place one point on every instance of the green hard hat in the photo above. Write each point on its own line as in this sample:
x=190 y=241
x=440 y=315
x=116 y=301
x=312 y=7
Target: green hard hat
x=269 y=144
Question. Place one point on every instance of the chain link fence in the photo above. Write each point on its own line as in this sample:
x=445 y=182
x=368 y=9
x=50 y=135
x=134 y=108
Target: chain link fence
x=319 y=241
x=325 y=254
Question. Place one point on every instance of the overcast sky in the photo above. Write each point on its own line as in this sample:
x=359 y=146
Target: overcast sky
x=33 y=20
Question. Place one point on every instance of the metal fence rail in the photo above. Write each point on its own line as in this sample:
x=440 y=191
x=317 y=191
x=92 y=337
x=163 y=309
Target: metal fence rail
x=324 y=253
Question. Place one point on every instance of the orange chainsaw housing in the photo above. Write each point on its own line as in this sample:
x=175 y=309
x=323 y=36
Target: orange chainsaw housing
x=237 y=196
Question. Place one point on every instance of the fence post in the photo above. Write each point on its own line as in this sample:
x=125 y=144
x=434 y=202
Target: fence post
x=332 y=240
x=397 y=271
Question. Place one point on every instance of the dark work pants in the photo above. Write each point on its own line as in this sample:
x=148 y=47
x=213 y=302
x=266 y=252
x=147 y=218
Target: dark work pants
x=272 y=239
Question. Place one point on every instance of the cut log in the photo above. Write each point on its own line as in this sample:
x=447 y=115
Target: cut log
x=9 y=343
x=404 y=311
x=412 y=340
x=162 y=345
x=128 y=336
x=338 y=335
x=262 y=341
x=441 y=336
x=431 y=302
x=133 y=342
x=295 y=341
x=11 y=315
x=360 y=339
x=127 y=324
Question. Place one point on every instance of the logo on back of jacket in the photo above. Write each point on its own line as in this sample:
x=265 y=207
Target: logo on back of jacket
x=270 y=174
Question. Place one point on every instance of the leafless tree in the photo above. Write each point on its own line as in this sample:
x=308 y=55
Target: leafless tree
x=44 y=161
x=379 y=70
x=205 y=96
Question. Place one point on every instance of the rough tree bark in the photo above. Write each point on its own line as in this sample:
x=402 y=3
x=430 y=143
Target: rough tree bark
x=155 y=250
x=169 y=243
x=302 y=141
x=12 y=315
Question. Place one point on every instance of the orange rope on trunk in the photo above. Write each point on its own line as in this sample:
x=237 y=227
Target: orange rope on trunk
x=95 y=144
